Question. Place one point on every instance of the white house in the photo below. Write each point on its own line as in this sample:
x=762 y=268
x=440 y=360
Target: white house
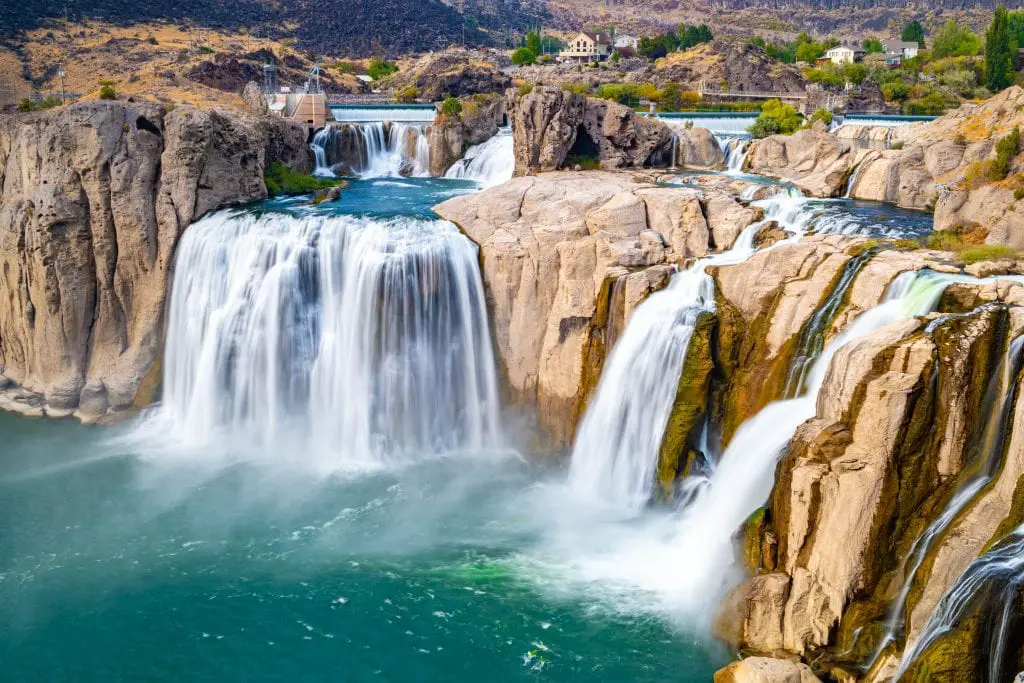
x=592 y=47
x=624 y=41
x=841 y=54
x=898 y=50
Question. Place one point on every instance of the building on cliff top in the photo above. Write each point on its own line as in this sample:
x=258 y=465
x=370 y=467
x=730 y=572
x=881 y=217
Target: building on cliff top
x=590 y=47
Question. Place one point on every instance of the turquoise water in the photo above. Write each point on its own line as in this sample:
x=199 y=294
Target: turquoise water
x=378 y=197
x=119 y=566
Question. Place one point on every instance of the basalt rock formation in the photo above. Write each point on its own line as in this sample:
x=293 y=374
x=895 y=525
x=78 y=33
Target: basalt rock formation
x=551 y=126
x=94 y=198
x=566 y=257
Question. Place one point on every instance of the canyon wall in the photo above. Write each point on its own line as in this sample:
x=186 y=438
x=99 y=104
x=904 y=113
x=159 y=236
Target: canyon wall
x=94 y=198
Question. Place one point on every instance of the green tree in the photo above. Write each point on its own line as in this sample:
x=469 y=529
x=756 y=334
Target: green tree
x=533 y=43
x=670 y=98
x=913 y=32
x=954 y=40
x=107 y=91
x=380 y=68
x=999 y=52
x=451 y=107
x=523 y=56
x=1015 y=20
x=873 y=45
x=895 y=91
x=776 y=118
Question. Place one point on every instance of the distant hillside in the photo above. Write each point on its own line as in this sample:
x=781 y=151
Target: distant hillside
x=330 y=26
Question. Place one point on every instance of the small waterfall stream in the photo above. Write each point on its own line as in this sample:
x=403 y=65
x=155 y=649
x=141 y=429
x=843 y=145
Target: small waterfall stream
x=490 y=163
x=1000 y=574
x=368 y=338
x=616 y=452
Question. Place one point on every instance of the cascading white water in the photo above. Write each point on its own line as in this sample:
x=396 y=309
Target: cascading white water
x=1004 y=565
x=616 y=452
x=851 y=182
x=743 y=477
x=990 y=450
x=319 y=147
x=367 y=338
x=490 y=163
x=735 y=151
x=389 y=153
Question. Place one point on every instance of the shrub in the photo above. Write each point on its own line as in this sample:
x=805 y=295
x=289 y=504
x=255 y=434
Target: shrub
x=152 y=40
x=347 y=67
x=977 y=174
x=26 y=105
x=525 y=89
x=578 y=88
x=380 y=68
x=1007 y=148
x=776 y=117
x=280 y=179
x=670 y=98
x=945 y=240
x=987 y=252
x=107 y=91
x=823 y=115
x=408 y=94
x=206 y=50
x=825 y=76
x=584 y=161
x=451 y=107
x=523 y=56
x=895 y=91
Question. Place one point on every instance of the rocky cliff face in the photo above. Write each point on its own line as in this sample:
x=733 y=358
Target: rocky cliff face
x=451 y=74
x=553 y=249
x=551 y=125
x=94 y=198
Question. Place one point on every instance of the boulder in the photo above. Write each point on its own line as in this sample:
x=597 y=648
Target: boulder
x=813 y=159
x=549 y=125
x=255 y=102
x=766 y=670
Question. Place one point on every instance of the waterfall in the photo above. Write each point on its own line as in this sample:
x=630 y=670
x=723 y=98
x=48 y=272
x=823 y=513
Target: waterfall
x=375 y=149
x=489 y=163
x=368 y=338
x=742 y=479
x=735 y=150
x=851 y=182
x=394 y=149
x=1004 y=565
x=812 y=336
x=1002 y=391
x=616 y=452
x=319 y=147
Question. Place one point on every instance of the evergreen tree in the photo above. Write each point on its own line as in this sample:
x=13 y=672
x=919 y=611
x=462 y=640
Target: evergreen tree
x=914 y=32
x=999 y=49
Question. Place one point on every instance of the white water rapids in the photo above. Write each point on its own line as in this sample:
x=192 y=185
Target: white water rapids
x=489 y=163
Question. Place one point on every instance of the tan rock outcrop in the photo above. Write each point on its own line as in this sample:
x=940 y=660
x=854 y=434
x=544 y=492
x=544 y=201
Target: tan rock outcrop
x=552 y=248
x=450 y=136
x=812 y=159
x=94 y=199
x=766 y=670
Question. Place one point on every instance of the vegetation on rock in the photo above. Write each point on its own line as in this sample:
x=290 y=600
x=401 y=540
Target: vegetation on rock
x=776 y=118
x=281 y=180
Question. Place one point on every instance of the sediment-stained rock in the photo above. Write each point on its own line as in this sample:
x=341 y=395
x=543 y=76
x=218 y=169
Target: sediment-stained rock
x=450 y=136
